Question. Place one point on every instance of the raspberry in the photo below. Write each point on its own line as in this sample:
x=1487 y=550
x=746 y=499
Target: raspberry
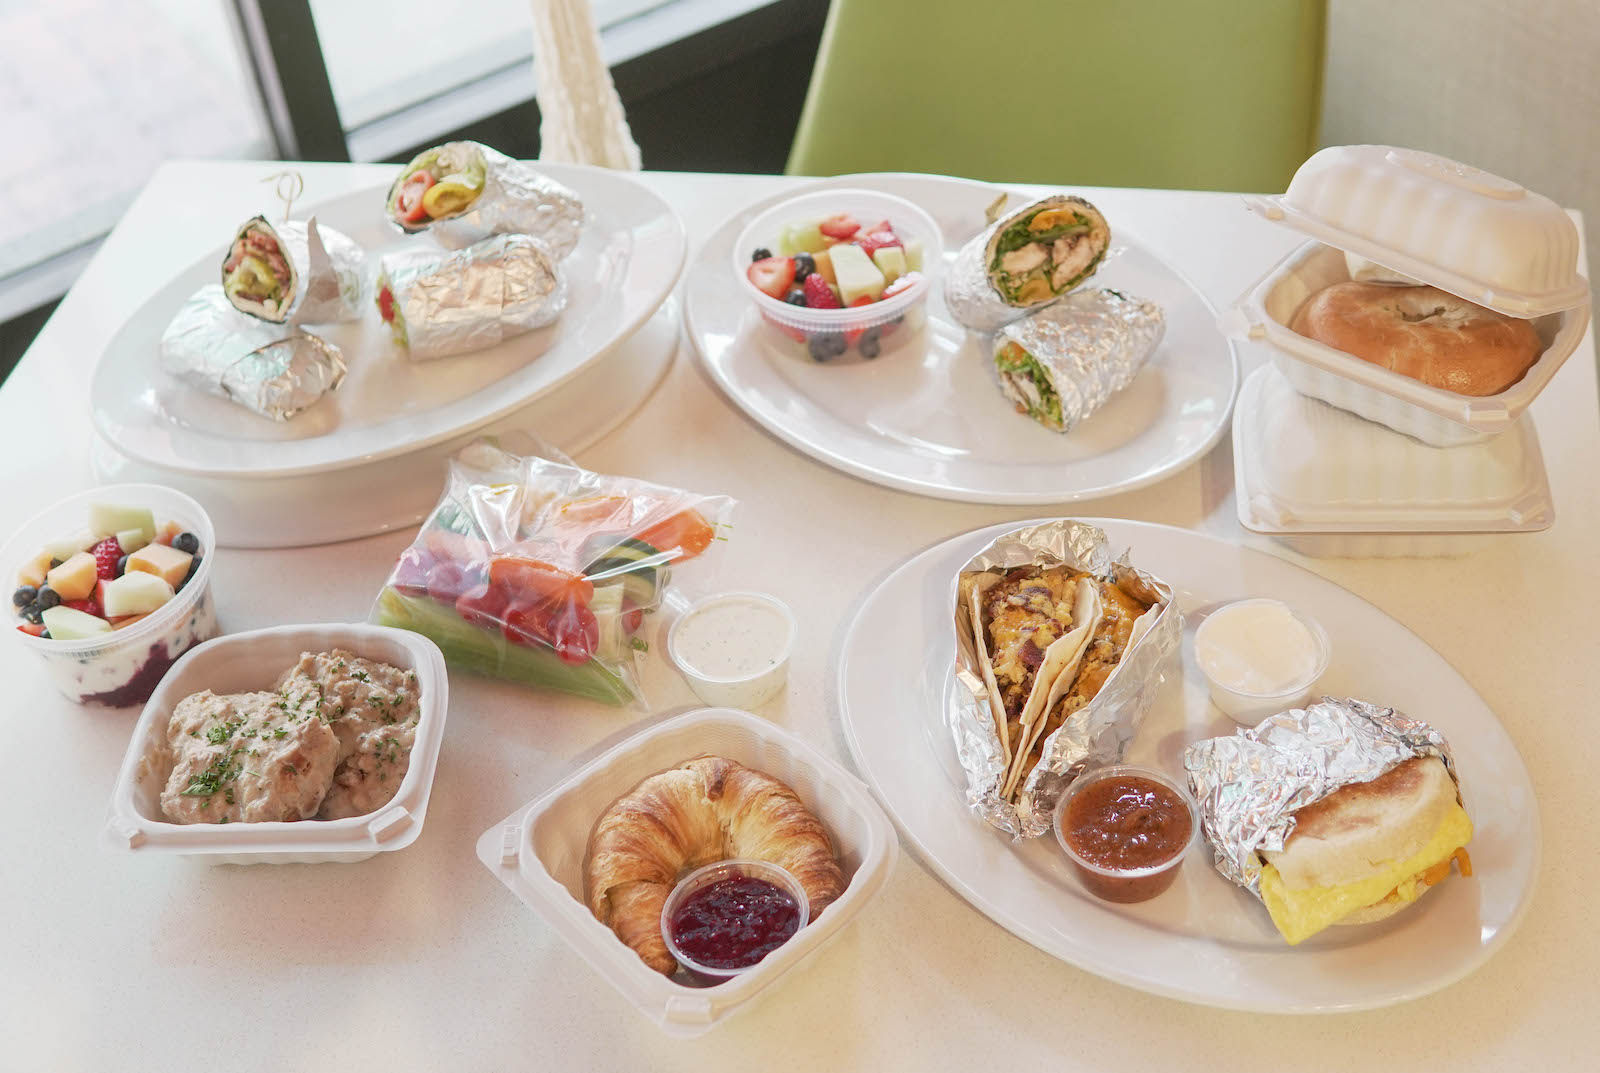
x=818 y=294
x=106 y=554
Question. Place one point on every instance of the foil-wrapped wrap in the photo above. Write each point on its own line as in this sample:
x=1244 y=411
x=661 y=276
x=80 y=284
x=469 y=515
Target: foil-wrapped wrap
x=270 y=369
x=973 y=288
x=439 y=304
x=1250 y=784
x=516 y=199
x=326 y=272
x=1093 y=736
x=1061 y=364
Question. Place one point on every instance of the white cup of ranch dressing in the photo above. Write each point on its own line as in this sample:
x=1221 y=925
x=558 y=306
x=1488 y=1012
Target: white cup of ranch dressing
x=733 y=648
x=1260 y=657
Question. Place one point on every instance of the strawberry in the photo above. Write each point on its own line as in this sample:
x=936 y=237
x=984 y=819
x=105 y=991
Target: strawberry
x=852 y=334
x=772 y=276
x=87 y=605
x=901 y=284
x=793 y=333
x=34 y=629
x=839 y=227
x=877 y=240
x=818 y=294
x=106 y=554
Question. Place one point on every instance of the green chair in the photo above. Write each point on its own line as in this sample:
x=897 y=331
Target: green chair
x=1189 y=94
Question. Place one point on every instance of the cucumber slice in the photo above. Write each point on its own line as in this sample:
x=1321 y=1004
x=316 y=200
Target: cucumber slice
x=629 y=562
x=607 y=608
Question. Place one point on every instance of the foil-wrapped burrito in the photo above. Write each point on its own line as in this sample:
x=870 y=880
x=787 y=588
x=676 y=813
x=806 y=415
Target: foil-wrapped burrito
x=1025 y=260
x=438 y=304
x=297 y=270
x=463 y=192
x=272 y=370
x=1061 y=364
x=1059 y=654
x=1375 y=793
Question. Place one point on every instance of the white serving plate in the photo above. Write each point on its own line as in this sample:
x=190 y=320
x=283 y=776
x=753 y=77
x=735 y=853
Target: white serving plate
x=929 y=417
x=243 y=662
x=1327 y=483
x=400 y=491
x=623 y=268
x=539 y=853
x=1432 y=415
x=1203 y=941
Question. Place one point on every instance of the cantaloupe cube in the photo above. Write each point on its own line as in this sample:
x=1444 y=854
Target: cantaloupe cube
x=34 y=570
x=823 y=259
x=127 y=620
x=75 y=578
x=162 y=560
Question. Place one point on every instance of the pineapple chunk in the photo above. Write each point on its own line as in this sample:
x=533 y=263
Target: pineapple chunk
x=75 y=578
x=162 y=560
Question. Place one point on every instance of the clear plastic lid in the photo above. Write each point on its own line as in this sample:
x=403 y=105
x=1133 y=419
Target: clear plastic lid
x=1463 y=230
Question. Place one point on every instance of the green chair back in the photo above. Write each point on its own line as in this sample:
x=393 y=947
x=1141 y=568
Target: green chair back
x=1188 y=94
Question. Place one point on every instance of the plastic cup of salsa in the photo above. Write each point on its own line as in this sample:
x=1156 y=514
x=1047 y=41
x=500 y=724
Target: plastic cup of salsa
x=705 y=969
x=1123 y=847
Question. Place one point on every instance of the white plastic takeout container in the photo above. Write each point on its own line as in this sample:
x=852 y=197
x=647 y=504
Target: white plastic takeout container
x=242 y=662
x=1465 y=231
x=540 y=852
x=737 y=690
x=1328 y=484
x=120 y=668
x=1247 y=707
x=797 y=324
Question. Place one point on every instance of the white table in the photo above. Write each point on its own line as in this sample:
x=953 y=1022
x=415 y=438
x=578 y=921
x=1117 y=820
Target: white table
x=420 y=960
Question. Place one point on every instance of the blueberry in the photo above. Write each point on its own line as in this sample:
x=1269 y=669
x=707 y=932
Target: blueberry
x=803 y=266
x=122 y=566
x=45 y=636
x=194 y=568
x=186 y=542
x=869 y=344
x=838 y=344
x=24 y=595
x=47 y=598
x=795 y=297
x=761 y=254
x=822 y=345
x=33 y=613
x=54 y=563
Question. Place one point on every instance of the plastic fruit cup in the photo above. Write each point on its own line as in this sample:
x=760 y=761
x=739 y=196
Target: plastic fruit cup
x=733 y=648
x=893 y=320
x=1126 y=884
x=701 y=878
x=1242 y=705
x=122 y=667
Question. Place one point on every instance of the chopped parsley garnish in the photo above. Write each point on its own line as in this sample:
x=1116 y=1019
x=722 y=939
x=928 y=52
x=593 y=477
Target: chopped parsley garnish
x=209 y=781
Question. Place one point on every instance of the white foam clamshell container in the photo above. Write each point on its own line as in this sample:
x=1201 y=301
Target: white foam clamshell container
x=243 y=662
x=1465 y=231
x=540 y=852
x=1329 y=484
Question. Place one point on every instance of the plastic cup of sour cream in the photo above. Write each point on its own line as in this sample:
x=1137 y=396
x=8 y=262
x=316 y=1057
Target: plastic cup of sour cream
x=733 y=648
x=1260 y=657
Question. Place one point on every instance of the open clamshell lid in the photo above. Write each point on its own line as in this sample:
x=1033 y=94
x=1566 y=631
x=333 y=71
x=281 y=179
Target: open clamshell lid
x=1463 y=230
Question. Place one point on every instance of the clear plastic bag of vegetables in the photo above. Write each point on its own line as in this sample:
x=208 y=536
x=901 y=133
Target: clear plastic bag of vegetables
x=543 y=573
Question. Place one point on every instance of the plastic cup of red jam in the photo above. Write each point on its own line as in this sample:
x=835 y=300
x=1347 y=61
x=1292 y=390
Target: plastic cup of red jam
x=1129 y=884
x=701 y=878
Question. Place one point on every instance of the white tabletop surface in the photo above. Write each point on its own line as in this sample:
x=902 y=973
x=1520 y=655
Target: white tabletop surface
x=419 y=960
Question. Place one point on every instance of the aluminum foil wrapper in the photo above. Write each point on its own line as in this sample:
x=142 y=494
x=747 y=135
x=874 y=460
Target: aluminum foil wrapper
x=1249 y=784
x=330 y=271
x=452 y=303
x=517 y=199
x=270 y=369
x=1095 y=735
x=1090 y=344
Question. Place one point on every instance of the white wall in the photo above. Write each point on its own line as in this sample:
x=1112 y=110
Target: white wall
x=1511 y=86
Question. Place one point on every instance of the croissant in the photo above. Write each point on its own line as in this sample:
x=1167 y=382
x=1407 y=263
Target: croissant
x=706 y=810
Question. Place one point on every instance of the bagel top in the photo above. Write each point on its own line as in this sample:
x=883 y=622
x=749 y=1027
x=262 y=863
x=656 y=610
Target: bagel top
x=1422 y=332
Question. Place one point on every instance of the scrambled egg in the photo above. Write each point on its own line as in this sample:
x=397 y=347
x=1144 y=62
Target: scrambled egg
x=1300 y=914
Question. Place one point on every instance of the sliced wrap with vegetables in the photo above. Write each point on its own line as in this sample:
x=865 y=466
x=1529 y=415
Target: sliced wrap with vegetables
x=296 y=270
x=438 y=304
x=1025 y=260
x=464 y=192
x=1061 y=364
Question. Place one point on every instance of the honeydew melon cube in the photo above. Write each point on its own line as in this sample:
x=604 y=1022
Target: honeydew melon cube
x=70 y=624
x=823 y=260
x=162 y=560
x=891 y=261
x=131 y=540
x=806 y=237
x=914 y=255
x=134 y=593
x=34 y=570
x=75 y=578
x=66 y=548
x=858 y=277
x=108 y=518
